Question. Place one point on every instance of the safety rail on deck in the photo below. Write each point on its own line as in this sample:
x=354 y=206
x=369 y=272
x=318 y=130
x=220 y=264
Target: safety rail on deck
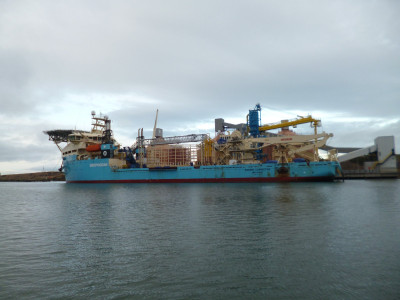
x=191 y=138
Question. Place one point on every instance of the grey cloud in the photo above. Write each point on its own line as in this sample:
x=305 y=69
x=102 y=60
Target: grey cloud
x=362 y=134
x=23 y=139
x=14 y=83
x=202 y=53
x=28 y=153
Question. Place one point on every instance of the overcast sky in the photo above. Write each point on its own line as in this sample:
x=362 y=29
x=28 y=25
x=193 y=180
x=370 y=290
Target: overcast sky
x=194 y=61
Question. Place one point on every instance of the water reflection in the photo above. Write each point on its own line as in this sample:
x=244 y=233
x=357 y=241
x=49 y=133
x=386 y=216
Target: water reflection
x=303 y=240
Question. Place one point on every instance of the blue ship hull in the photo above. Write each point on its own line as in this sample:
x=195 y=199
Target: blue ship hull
x=99 y=171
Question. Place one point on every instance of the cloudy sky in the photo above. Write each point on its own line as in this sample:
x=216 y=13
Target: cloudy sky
x=194 y=61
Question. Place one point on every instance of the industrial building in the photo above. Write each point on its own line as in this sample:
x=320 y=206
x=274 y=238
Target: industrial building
x=376 y=161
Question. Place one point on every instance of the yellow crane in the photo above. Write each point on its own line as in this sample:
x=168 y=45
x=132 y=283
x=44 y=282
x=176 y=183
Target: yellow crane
x=301 y=120
x=295 y=122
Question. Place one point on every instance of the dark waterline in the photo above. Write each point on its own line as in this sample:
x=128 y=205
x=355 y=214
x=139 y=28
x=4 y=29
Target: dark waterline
x=200 y=241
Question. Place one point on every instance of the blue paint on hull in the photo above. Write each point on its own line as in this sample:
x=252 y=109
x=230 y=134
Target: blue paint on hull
x=98 y=170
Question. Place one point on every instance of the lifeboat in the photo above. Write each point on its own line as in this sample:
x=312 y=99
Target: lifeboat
x=93 y=148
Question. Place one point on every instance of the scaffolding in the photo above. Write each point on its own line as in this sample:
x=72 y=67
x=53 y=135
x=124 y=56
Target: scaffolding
x=171 y=155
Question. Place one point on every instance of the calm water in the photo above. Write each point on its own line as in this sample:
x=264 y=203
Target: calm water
x=200 y=241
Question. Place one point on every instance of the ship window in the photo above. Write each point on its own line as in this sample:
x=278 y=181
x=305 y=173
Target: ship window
x=74 y=138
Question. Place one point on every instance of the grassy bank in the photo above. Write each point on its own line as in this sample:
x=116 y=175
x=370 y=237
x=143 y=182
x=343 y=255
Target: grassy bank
x=39 y=176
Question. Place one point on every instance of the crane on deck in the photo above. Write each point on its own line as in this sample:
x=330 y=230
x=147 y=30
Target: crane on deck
x=294 y=123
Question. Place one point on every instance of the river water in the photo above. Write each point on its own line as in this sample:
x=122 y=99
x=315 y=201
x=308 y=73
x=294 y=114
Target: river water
x=200 y=241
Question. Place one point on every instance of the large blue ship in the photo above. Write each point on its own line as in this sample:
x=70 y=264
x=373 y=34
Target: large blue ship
x=247 y=152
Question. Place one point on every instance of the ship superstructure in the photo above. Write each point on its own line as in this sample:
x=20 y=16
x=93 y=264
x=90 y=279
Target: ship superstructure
x=238 y=152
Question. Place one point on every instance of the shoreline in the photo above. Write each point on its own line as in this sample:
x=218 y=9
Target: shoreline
x=33 y=177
